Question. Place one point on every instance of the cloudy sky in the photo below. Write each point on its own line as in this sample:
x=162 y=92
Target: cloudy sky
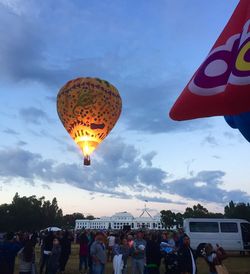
x=149 y=50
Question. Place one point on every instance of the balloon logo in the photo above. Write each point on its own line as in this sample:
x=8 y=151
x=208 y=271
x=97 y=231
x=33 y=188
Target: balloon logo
x=88 y=108
x=228 y=63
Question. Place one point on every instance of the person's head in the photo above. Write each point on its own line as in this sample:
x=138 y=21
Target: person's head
x=10 y=236
x=83 y=239
x=155 y=237
x=164 y=236
x=139 y=235
x=28 y=251
x=50 y=234
x=175 y=236
x=186 y=240
x=170 y=235
x=208 y=249
x=58 y=234
x=124 y=242
x=56 y=242
x=66 y=234
x=130 y=238
x=181 y=231
x=117 y=240
x=99 y=237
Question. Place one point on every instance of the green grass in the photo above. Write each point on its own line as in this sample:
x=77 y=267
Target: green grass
x=235 y=264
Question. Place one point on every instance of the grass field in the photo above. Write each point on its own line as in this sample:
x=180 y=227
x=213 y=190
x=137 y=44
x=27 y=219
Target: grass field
x=235 y=264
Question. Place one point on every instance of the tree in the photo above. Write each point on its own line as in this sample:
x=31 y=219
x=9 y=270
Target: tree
x=239 y=210
x=68 y=220
x=32 y=214
x=198 y=211
x=29 y=214
x=52 y=213
x=5 y=217
x=168 y=218
x=229 y=210
x=178 y=220
x=90 y=217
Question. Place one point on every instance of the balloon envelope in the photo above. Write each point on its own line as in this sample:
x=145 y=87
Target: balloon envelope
x=221 y=84
x=88 y=109
x=241 y=122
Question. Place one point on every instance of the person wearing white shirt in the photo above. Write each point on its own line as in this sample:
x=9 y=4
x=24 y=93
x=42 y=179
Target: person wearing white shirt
x=111 y=243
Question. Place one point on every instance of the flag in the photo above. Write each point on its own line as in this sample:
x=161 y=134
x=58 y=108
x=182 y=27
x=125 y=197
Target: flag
x=221 y=85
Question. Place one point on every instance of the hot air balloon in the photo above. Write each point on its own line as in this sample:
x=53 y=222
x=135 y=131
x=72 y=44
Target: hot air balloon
x=240 y=122
x=221 y=85
x=88 y=108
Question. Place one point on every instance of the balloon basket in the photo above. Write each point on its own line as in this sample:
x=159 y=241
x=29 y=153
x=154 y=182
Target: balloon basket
x=86 y=161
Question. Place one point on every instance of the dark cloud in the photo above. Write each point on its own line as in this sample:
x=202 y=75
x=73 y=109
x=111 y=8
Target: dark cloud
x=234 y=135
x=236 y=195
x=22 y=50
x=189 y=163
x=149 y=157
x=152 y=176
x=229 y=134
x=205 y=186
x=31 y=53
x=211 y=140
x=46 y=186
x=21 y=143
x=156 y=199
x=32 y=115
x=146 y=109
x=10 y=131
x=118 y=165
x=118 y=194
x=148 y=92
x=24 y=164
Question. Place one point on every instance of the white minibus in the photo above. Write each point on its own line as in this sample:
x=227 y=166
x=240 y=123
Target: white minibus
x=231 y=234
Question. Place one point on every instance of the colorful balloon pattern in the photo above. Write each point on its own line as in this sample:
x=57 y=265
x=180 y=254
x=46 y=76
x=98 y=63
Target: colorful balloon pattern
x=221 y=86
x=226 y=64
x=88 y=109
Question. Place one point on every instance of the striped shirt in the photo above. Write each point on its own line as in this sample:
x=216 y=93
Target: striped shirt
x=23 y=265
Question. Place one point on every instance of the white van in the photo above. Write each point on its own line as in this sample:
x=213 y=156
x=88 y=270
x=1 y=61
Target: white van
x=231 y=234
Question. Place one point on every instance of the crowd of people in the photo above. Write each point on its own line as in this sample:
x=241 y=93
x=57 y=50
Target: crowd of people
x=146 y=250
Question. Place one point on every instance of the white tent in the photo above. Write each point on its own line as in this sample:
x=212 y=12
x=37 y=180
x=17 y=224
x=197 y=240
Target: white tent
x=53 y=228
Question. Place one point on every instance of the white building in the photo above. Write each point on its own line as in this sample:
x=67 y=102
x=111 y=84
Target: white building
x=120 y=220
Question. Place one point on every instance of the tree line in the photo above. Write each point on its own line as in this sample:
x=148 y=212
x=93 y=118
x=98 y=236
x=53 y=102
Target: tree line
x=232 y=210
x=33 y=214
